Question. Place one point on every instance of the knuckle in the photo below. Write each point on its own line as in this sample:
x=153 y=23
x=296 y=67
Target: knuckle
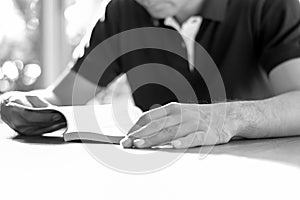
x=172 y=106
x=194 y=125
x=162 y=138
x=145 y=119
x=170 y=130
x=141 y=121
x=199 y=136
x=156 y=125
x=171 y=120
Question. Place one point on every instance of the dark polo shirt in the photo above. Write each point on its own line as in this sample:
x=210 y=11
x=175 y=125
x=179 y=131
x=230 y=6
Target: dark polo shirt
x=246 y=39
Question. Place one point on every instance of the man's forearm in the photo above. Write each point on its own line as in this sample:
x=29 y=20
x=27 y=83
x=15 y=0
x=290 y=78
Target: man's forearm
x=275 y=117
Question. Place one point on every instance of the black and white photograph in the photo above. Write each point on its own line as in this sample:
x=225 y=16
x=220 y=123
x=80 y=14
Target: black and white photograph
x=149 y=99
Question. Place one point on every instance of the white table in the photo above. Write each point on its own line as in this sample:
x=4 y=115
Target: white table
x=48 y=168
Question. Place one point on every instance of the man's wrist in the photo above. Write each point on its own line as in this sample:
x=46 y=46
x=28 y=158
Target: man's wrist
x=229 y=121
x=247 y=117
x=232 y=122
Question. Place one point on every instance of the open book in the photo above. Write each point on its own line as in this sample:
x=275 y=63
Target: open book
x=98 y=123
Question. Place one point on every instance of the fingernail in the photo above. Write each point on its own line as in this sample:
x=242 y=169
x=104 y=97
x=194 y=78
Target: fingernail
x=56 y=117
x=176 y=144
x=139 y=142
x=126 y=142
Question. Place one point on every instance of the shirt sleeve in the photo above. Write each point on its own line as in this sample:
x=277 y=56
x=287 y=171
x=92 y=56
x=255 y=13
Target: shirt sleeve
x=90 y=65
x=279 y=32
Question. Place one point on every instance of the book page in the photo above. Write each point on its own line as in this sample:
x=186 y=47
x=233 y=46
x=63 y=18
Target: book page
x=99 y=119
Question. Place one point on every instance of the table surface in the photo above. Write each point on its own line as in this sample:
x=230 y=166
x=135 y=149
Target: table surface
x=48 y=168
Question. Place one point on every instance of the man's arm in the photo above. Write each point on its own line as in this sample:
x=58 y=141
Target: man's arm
x=62 y=91
x=278 y=34
x=190 y=125
x=280 y=115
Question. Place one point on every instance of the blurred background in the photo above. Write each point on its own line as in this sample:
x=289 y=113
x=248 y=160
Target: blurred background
x=40 y=38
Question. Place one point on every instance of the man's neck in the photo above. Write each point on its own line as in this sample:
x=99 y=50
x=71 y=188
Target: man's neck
x=191 y=9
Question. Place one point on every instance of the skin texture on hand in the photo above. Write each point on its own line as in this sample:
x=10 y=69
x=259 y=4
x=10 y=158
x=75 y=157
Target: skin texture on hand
x=24 y=115
x=184 y=126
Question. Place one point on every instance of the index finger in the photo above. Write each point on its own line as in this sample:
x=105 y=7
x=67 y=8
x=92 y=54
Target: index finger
x=155 y=114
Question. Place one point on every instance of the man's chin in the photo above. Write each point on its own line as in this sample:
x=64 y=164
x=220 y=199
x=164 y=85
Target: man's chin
x=159 y=15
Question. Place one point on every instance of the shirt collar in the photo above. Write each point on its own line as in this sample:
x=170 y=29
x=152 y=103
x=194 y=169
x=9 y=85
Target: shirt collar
x=214 y=9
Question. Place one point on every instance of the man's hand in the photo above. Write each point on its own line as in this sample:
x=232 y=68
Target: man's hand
x=184 y=126
x=20 y=111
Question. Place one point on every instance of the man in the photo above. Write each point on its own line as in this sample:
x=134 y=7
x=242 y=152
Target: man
x=254 y=43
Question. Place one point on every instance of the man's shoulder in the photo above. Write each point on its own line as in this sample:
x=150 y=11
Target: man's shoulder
x=261 y=8
x=265 y=4
x=274 y=4
x=286 y=5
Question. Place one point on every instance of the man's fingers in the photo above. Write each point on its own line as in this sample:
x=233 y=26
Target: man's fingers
x=149 y=116
x=153 y=139
x=140 y=123
x=199 y=138
x=191 y=140
x=156 y=126
x=156 y=114
x=165 y=135
x=127 y=142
